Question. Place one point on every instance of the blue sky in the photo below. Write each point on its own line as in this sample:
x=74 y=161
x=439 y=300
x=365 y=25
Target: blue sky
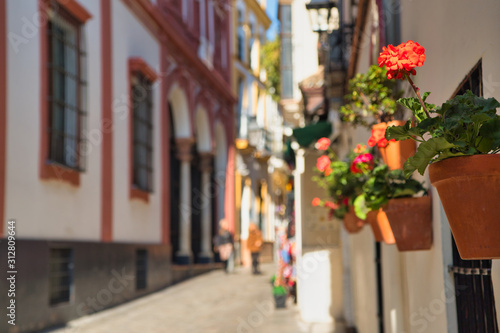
x=272 y=12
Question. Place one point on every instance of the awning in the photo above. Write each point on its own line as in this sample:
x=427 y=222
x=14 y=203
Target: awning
x=305 y=136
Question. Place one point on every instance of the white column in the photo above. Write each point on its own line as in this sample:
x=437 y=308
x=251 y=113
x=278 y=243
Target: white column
x=184 y=255
x=206 y=255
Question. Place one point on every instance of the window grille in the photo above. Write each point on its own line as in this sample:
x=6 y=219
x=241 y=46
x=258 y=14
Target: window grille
x=141 y=269
x=142 y=132
x=60 y=275
x=67 y=89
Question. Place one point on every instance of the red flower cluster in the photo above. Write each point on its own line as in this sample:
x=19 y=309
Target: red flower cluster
x=331 y=205
x=323 y=144
x=362 y=163
x=402 y=59
x=378 y=138
x=322 y=163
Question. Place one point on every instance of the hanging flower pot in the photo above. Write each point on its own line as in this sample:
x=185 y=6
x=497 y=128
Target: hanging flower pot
x=381 y=228
x=354 y=224
x=411 y=222
x=469 y=189
x=394 y=153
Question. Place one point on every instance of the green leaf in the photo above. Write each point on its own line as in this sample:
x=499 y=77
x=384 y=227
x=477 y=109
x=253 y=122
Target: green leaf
x=411 y=103
x=490 y=131
x=447 y=154
x=425 y=153
x=428 y=124
x=404 y=192
x=489 y=104
x=397 y=132
x=480 y=118
x=360 y=208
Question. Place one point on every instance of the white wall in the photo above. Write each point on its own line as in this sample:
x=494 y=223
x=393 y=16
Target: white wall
x=418 y=290
x=454 y=41
x=319 y=259
x=363 y=279
x=49 y=208
x=133 y=220
x=304 y=44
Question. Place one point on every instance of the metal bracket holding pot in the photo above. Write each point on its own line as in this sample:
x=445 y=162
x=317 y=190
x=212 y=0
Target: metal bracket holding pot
x=469 y=271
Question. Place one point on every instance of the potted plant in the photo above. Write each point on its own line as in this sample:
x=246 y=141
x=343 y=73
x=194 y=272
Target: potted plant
x=372 y=103
x=280 y=291
x=403 y=216
x=343 y=181
x=459 y=141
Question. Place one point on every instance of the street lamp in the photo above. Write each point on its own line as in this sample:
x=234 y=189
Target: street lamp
x=320 y=15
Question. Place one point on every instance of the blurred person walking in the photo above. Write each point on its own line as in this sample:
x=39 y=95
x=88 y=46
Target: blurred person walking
x=254 y=245
x=223 y=243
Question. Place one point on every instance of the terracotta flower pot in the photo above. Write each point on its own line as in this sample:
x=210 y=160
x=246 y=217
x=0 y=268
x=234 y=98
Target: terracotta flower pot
x=469 y=189
x=352 y=223
x=397 y=152
x=381 y=228
x=411 y=222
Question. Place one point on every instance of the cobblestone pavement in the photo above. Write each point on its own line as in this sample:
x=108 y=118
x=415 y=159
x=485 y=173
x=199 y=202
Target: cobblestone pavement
x=214 y=302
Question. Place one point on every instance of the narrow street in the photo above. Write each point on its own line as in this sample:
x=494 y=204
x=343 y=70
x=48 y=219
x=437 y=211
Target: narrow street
x=211 y=303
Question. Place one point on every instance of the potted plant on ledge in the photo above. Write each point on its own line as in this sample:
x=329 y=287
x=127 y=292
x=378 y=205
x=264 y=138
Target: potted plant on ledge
x=459 y=141
x=403 y=215
x=343 y=181
x=372 y=103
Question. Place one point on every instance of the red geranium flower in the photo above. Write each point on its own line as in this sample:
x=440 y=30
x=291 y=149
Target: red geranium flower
x=316 y=202
x=401 y=60
x=359 y=148
x=323 y=144
x=328 y=171
x=331 y=205
x=322 y=163
x=361 y=163
x=378 y=138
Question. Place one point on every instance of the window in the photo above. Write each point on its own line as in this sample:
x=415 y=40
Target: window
x=141 y=98
x=141 y=269
x=63 y=90
x=66 y=89
x=143 y=127
x=241 y=37
x=251 y=44
x=60 y=275
x=242 y=112
x=287 y=87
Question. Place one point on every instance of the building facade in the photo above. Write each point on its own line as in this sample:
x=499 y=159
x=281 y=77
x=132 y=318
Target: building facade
x=385 y=290
x=116 y=148
x=260 y=177
x=421 y=291
x=308 y=117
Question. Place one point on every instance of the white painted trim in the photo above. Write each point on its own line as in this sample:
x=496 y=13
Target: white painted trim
x=178 y=100
x=202 y=123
